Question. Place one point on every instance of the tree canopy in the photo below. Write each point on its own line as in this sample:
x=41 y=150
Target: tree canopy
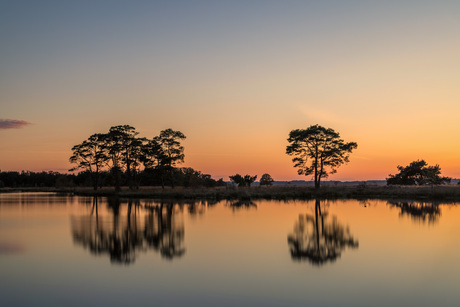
x=266 y=179
x=241 y=181
x=124 y=150
x=318 y=151
x=124 y=153
x=170 y=152
x=91 y=156
x=418 y=173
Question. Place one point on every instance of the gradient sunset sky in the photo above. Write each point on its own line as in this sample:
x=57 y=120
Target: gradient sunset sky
x=235 y=77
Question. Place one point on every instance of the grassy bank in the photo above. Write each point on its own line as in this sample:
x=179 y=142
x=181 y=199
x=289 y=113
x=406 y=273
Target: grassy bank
x=361 y=191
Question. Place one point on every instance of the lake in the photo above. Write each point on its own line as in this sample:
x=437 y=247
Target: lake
x=79 y=251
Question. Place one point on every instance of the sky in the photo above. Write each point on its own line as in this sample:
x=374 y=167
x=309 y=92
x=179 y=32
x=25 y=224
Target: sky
x=235 y=77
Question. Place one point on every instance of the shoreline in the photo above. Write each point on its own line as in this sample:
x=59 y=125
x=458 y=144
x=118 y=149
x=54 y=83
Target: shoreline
x=288 y=192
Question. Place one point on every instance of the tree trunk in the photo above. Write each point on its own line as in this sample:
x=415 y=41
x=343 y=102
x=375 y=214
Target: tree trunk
x=96 y=177
x=316 y=167
x=320 y=174
x=129 y=175
x=317 y=208
x=116 y=173
x=172 y=177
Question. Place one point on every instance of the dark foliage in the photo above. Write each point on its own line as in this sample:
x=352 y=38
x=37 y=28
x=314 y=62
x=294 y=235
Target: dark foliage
x=186 y=177
x=318 y=151
x=266 y=179
x=32 y=179
x=123 y=154
x=418 y=173
x=241 y=181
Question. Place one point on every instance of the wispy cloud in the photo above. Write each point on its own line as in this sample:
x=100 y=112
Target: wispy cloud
x=12 y=123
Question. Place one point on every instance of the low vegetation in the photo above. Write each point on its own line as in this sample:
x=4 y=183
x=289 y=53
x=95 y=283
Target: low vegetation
x=449 y=192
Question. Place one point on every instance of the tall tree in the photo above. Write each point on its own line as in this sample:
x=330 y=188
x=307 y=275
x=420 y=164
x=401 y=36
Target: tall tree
x=124 y=150
x=133 y=156
x=318 y=151
x=152 y=154
x=171 y=152
x=90 y=155
x=153 y=158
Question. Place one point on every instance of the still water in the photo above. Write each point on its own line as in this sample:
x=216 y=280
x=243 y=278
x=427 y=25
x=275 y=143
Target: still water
x=79 y=251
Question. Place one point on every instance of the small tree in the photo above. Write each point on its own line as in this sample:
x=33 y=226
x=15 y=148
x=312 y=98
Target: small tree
x=266 y=179
x=418 y=173
x=241 y=181
x=318 y=151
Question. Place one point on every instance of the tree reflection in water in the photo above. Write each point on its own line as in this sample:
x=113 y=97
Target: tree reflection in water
x=241 y=204
x=418 y=210
x=319 y=240
x=123 y=237
x=163 y=232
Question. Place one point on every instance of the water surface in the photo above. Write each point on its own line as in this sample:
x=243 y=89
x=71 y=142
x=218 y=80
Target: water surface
x=75 y=251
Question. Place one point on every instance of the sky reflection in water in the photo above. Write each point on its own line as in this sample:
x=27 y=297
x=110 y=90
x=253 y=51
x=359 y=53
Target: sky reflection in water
x=57 y=250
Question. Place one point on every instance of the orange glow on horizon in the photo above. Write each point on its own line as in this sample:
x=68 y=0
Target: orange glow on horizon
x=383 y=75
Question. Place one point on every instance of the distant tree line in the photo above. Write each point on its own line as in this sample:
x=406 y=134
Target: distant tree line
x=183 y=176
x=120 y=157
x=247 y=180
x=36 y=179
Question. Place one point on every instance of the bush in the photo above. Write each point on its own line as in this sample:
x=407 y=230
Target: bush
x=418 y=173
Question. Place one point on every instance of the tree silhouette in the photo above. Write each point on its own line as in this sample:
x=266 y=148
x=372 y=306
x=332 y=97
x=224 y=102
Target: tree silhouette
x=245 y=181
x=319 y=240
x=318 y=151
x=266 y=179
x=90 y=155
x=170 y=151
x=152 y=154
x=125 y=152
x=418 y=173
